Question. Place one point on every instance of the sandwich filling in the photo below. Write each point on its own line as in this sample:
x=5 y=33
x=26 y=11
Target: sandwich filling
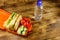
x=17 y=23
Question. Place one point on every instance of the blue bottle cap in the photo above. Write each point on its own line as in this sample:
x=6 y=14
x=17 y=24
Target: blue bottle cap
x=39 y=3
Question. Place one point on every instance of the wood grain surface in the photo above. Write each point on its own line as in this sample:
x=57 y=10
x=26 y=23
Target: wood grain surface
x=47 y=29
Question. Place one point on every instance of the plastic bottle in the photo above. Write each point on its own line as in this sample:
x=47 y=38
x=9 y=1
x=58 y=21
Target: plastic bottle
x=38 y=10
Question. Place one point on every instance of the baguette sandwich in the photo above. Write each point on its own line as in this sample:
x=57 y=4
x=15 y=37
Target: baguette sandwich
x=18 y=24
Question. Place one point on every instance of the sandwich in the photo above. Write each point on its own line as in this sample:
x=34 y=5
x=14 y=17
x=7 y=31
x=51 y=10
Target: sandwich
x=18 y=24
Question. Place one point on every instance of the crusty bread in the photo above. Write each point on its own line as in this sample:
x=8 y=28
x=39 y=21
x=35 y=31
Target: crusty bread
x=17 y=22
x=12 y=23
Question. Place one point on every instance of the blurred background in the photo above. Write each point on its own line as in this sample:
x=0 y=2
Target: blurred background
x=47 y=29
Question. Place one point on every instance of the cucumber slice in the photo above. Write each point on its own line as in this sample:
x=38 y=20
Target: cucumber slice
x=24 y=31
x=19 y=31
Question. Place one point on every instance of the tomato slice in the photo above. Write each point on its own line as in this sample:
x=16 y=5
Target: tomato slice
x=22 y=21
x=26 y=19
x=26 y=23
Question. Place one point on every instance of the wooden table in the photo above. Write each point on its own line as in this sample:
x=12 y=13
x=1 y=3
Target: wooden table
x=47 y=29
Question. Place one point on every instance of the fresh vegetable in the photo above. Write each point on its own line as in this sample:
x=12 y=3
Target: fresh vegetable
x=19 y=31
x=3 y=17
x=26 y=22
x=22 y=30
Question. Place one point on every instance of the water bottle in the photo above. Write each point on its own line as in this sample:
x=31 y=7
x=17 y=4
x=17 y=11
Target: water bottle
x=38 y=10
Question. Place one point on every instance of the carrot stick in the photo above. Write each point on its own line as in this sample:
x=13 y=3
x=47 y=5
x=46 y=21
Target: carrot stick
x=3 y=17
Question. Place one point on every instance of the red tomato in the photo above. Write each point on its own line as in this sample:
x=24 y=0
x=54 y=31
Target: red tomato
x=26 y=19
x=25 y=24
x=28 y=25
x=22 y=21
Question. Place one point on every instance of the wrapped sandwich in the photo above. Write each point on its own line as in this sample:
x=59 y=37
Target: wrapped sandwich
x=17 y=24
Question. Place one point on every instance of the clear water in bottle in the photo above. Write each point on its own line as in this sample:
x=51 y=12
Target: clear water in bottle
x=38 y=10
